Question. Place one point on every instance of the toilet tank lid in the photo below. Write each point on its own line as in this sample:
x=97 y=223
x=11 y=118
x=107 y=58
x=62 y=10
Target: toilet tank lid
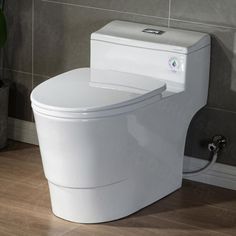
x=152 y=37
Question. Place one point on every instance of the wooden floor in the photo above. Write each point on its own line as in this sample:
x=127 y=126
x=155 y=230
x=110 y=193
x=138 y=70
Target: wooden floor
x=195 y=209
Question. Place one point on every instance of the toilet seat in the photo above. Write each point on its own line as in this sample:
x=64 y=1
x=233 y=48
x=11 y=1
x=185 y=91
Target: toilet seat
x=90 y=93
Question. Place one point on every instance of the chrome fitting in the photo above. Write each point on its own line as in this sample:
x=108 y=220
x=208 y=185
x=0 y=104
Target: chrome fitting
x=218 y=143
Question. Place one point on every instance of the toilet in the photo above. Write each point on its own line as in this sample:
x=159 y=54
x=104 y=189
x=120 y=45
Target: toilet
x=112 y=136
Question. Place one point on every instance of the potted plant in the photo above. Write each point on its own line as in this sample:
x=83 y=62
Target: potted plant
x=4 y=88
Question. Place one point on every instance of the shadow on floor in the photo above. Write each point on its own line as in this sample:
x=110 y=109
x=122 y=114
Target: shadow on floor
x=195 y=205
x=14 y=146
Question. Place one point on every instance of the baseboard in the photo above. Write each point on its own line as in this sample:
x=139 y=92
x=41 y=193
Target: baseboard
x=220 y=175
x=23 y=131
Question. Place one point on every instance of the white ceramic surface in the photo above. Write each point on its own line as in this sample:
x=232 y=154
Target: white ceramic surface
x=132 y=34
x=111 y=156
x=94 y=90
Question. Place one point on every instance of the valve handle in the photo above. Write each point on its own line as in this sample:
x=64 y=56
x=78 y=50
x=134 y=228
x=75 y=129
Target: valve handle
x=218 y=142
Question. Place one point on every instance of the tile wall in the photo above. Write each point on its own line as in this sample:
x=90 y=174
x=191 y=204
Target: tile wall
x=48 y=37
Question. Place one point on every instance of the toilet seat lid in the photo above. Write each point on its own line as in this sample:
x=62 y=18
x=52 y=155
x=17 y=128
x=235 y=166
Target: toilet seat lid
x=85 y=89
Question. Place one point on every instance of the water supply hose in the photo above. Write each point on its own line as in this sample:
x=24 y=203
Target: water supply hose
x=218 y=143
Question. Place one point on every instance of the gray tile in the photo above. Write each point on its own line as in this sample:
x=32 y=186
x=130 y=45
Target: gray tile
x=222 y=90
x=217 y=12
x=62 y=35
x=207 y=123
x=18 y=49
x=19 y=97
x=38 y=79
x=158 y=8
x=1 y=58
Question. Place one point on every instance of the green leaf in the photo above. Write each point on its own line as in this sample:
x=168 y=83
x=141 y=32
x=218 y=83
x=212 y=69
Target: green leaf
x=3 y=29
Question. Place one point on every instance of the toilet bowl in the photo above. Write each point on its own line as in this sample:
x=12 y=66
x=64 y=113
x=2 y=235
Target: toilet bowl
x=112 y=136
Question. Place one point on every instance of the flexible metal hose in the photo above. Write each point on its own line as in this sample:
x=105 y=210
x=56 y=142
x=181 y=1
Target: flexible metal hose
x=218 y=143
x=203 y=169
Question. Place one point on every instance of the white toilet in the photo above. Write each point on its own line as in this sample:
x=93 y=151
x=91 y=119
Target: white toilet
x=112 y=136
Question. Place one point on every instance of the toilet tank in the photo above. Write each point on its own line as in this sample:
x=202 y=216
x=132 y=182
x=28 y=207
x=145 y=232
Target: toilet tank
x=159 y=52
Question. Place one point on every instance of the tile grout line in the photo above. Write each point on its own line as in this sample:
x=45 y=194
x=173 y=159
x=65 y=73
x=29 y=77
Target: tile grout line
x=47 y=76
x=137 y=14
x=17 y=71
x=103 y=9
x=203 y=24
x=221 y=109
x=32 y=52
x=169 y=13
x=25 y=72
x=32 y=48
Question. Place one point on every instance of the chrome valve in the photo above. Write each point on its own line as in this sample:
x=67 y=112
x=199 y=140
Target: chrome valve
x=218 y=143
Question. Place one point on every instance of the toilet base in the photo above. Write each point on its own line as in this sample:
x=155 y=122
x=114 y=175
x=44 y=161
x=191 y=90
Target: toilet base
x=102 y=204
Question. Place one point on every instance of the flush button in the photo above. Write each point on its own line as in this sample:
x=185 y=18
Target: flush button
x=153 y=31
x=174 y=64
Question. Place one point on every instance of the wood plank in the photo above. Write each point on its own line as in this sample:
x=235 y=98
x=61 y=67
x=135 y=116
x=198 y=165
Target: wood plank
x=195 y=209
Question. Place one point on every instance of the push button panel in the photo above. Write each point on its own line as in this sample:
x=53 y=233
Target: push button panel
x=153 y=31
x=175 y=64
